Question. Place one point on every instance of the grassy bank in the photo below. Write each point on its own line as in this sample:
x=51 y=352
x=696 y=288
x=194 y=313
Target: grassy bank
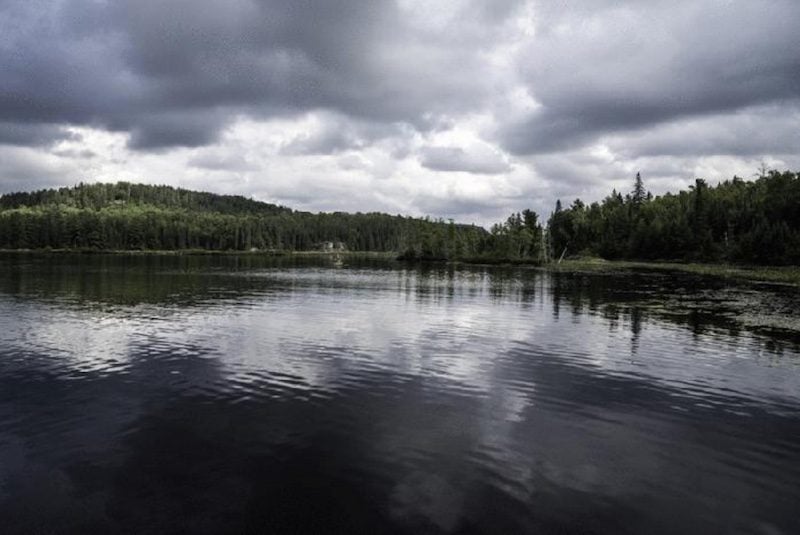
x=771 y=274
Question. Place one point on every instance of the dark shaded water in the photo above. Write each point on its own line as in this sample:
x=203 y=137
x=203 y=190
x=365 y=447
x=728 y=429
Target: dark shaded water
x=233 y=395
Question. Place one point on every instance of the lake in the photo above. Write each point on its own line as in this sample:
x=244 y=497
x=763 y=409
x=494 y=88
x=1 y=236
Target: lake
x=225 y=394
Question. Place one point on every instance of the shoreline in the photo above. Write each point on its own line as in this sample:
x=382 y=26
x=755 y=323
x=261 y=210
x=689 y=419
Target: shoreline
x=786 y=275
x=196 y=252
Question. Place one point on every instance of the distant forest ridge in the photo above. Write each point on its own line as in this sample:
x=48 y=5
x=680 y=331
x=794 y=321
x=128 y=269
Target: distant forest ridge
x=749 y=222
x=99 y=196
x=125 y=216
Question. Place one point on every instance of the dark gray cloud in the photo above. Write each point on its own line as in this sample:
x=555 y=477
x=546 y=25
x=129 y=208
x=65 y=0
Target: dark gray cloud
x=478 y=160
x=607 y=67
x=324 y=141
x=168 y=129
x=174 y=73
x=751 y=132
x=33 y=134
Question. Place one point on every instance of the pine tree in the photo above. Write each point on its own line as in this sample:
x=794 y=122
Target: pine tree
x=639 y=194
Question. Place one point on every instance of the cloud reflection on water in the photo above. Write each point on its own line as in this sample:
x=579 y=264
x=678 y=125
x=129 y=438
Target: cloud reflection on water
x=369 y=399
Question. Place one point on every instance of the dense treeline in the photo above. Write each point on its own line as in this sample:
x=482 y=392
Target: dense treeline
x=754 y=222
x=127 y=216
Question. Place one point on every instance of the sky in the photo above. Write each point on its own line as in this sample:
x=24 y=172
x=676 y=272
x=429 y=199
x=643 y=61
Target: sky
x=461 y=109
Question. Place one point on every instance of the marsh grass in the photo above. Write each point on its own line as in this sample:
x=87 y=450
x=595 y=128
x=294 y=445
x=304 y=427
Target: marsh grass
x=768 y=274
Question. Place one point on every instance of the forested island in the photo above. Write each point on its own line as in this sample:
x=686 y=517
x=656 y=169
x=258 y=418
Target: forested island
x=737 y=221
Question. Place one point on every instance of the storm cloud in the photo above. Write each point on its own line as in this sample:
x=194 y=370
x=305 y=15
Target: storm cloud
x=175 y=73
x=494 y=106
x=620 y=67
x=477 y=160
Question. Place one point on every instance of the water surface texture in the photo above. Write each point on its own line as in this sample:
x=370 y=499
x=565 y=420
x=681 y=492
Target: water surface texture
x=244 y=395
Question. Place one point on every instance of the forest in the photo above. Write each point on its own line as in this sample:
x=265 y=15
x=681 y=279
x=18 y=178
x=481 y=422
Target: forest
x=736 y=221
x=126 y=216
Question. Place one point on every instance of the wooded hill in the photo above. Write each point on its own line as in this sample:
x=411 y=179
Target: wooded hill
x=126 y=216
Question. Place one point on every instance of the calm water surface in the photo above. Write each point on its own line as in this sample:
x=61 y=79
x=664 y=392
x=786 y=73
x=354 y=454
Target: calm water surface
x=244 y=395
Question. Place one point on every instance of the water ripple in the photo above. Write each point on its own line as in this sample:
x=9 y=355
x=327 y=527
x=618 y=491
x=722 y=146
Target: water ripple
x=438 y=400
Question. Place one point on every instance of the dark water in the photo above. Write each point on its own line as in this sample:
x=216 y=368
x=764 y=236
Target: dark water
x=240 y=395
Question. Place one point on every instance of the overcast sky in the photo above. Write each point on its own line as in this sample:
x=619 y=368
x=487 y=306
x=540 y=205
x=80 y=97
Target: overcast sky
x=454 y=108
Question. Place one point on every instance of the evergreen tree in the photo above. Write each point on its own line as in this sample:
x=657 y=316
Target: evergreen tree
x=639 y=194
